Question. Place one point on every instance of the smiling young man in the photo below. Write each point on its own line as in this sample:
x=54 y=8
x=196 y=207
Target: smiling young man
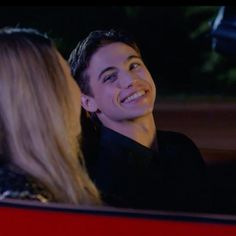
x=134 y=164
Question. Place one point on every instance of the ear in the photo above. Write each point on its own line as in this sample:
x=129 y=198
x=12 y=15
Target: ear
x=88 y=103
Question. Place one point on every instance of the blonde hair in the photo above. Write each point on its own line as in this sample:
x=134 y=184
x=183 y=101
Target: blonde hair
x=37 y=116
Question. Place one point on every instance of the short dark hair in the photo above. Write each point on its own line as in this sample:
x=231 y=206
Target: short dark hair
x=80 y=57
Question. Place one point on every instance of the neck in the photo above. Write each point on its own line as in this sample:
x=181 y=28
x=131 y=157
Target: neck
x=141 y=130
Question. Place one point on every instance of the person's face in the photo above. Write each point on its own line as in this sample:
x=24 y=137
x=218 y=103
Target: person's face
x=122 y=86
x=75 y=93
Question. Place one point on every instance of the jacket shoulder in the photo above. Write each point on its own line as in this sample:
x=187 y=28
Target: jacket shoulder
x=17 y=185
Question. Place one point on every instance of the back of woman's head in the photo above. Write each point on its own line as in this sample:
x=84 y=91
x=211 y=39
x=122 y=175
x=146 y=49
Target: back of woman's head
x=38 y=124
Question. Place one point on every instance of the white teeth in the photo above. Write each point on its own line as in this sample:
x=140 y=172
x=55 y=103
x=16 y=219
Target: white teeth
x=134 y=96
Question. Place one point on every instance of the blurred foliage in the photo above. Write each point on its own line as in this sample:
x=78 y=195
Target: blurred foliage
x=175 y=40
x=132 y=12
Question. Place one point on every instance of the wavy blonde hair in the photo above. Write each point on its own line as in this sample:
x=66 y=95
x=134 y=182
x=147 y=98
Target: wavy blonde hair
x=37 y=116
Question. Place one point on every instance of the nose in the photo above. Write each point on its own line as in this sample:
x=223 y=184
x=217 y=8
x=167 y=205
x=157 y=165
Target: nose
x=127 y=79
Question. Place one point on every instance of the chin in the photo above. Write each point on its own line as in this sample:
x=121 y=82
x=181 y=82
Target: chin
x=140 y=114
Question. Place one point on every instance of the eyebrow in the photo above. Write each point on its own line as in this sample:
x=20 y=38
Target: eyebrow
x=113 y=67
x=105 y=70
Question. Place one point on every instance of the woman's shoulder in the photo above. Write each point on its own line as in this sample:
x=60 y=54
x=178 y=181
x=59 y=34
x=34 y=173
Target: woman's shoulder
x=15 y=184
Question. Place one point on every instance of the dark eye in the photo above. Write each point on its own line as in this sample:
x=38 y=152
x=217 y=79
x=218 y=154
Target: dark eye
x=134 y=66
x=110 y=78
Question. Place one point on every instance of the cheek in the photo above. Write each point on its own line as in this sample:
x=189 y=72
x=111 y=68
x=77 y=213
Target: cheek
x=101 y=92
x=150 y=79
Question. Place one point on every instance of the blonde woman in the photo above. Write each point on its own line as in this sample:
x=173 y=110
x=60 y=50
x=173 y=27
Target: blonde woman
x=40 y=123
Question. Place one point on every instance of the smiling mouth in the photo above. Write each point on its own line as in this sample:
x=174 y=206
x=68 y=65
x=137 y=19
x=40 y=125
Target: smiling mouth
x=133 y=97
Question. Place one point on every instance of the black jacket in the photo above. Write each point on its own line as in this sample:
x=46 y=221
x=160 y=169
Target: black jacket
x=18 y=185
x=131 y=175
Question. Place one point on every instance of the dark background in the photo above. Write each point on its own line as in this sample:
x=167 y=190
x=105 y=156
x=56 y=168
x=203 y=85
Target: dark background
x=175 y=41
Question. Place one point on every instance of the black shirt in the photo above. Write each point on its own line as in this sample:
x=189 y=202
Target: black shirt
x=131 y=175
